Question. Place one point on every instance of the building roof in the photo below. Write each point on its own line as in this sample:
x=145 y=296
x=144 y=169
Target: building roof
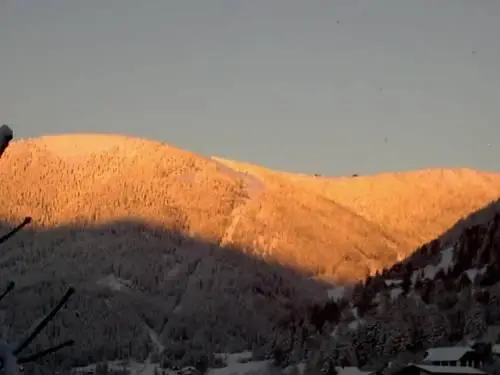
x=352 y=370
x=450 y=353
x=450 y=369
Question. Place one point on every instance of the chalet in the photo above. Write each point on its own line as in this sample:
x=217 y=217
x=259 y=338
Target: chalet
x=352 y=370
x=419 y=369
x=464 y=356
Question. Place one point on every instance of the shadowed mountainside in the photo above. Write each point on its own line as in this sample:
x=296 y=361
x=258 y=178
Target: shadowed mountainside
x=341 y=229
x=446 y=293
x=146 y=291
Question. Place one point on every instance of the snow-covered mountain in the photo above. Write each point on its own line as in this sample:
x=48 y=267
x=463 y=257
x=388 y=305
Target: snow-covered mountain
x=177 y=256
x=446 y=293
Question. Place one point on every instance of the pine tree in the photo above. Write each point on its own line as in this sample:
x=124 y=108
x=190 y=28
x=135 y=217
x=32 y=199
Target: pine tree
x=475 y=321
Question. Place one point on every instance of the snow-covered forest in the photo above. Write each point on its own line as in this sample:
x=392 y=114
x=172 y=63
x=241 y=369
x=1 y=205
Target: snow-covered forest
x=184 y=275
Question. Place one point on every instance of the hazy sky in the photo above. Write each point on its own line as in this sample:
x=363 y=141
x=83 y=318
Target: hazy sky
x=333 y=87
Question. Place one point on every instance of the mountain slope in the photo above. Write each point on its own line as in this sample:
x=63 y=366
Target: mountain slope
x=447 y=293
x=94 y=179
x=339 y=228
x=415 y=207
x=160 y=241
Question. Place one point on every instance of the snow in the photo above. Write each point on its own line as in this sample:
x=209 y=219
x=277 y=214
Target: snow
x=390 y=282
x=429 y=271
x=239 y=364
x=114 y=283
x=155 y=339
x=300 y=367
x=354 y=324
x=335 y=331
x=233 y=358
x=148 y=368
x=446 y=354
x=336 y=293
x=357 y=320
x=472 y=273
x=351 y=370
x=446 y=262
x=450 y=369
x=253 y=184
x=241 y=368
x=354 y=312
x=414 y=277
x=135 y=368
x=395 y=293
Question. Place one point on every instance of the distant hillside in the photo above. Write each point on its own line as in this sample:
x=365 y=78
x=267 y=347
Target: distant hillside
x=446 y=293
x=180 y=253
x=413 y=207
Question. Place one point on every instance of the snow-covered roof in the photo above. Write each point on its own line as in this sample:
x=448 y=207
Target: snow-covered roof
x=352 y=370
x=450 y=353
x=450 y=369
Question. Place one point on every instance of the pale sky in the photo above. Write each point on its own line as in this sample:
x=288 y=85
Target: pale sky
x=316 y=86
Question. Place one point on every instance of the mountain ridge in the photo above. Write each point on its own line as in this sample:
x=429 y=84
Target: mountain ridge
x=170 y=240
x=255 y=208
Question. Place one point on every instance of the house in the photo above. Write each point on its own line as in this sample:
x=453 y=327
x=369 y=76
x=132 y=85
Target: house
x=352 y=370
x=453 y=356
x=419 y=369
